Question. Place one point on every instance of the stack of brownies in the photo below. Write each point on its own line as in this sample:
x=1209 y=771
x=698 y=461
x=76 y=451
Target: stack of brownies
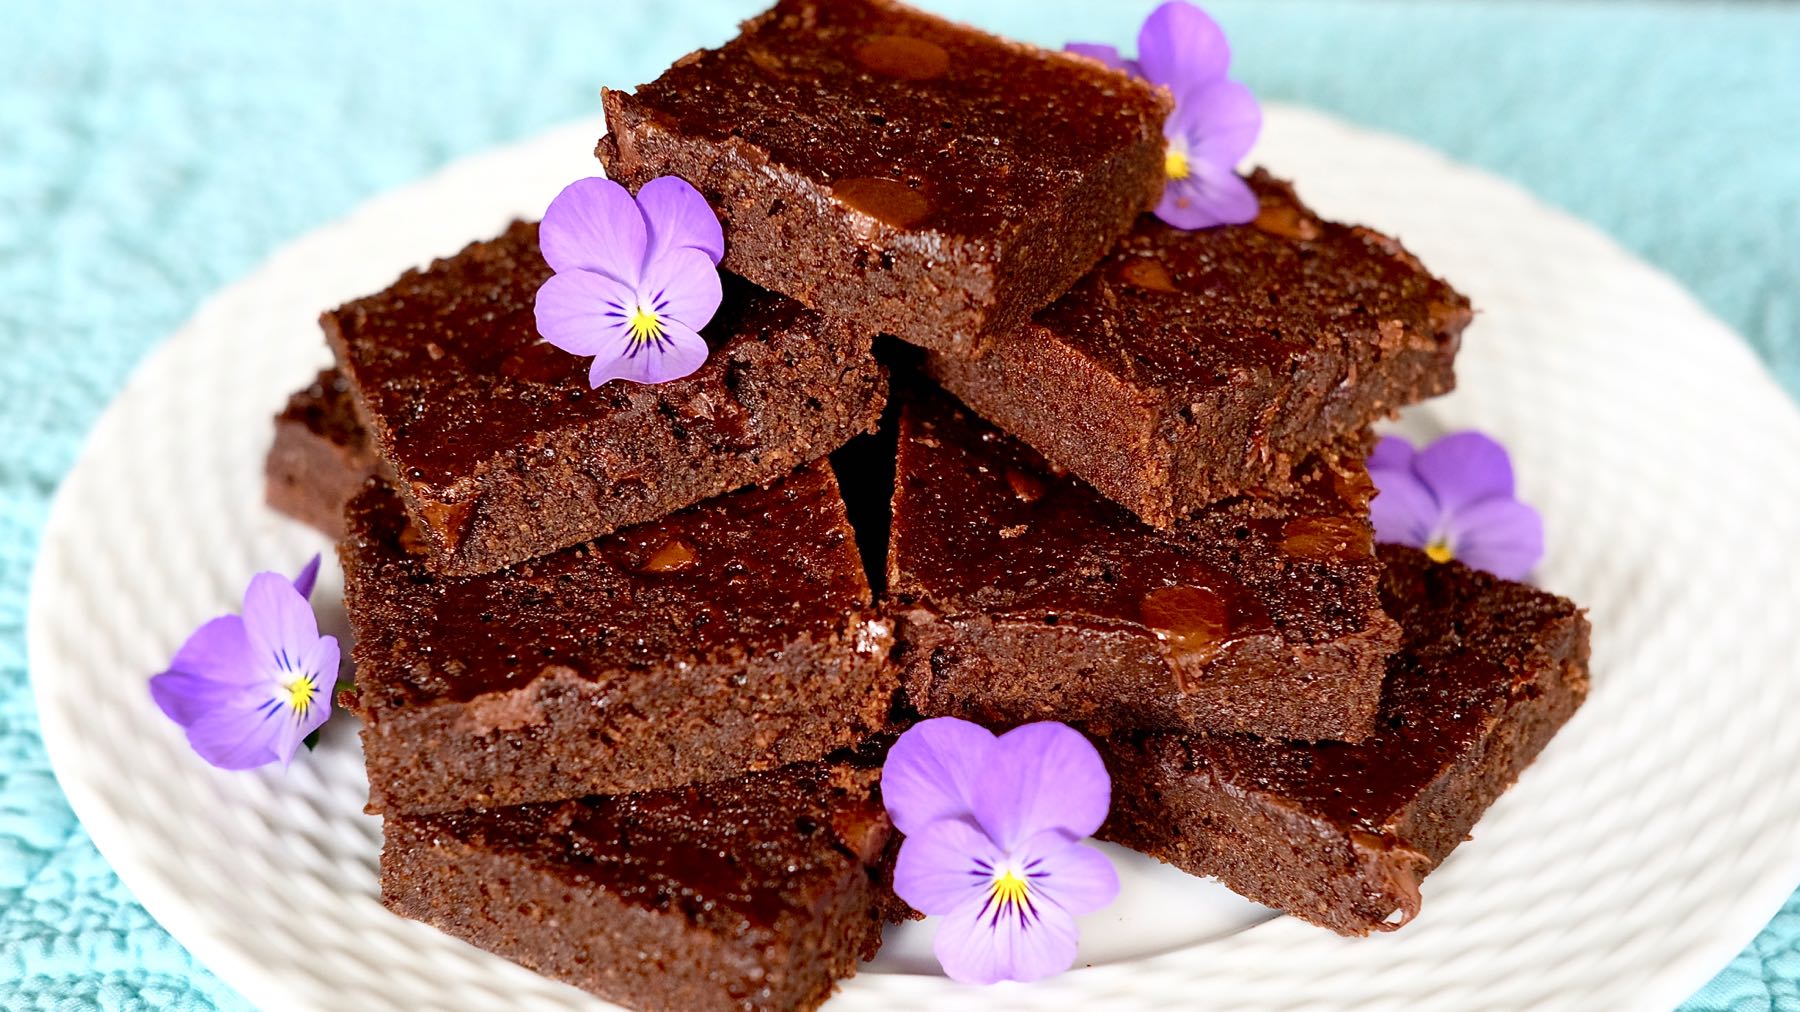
x=627 y=657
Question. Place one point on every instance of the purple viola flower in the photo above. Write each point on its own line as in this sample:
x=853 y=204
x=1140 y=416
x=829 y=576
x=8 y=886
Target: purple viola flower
x=1454 y=499
x=636 y=279
x=993 y=845
x=250 y=688
x=1215 y=122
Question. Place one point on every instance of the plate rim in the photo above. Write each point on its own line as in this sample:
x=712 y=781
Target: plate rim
x=185 y=923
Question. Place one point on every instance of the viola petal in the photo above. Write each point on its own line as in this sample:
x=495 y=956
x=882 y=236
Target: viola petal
x=1503 y=536
x=931 y=769
x=584 y=313
x=1181 y=46
x=1209 y=197
x=937 y=869
x=1039 y=777
x=1404 y=511
x=219 y=651
x=290 y=733
x=1220 y=122
x=1063 y=871
x=1108 y=55
x=1227 y=196
x=1182 y=206
x=279 y=622
x=1392 y=453
x=594 y=225
x=678 y=217
x=684 y=286
x=307 y=578
x=680 y=351
x=981 y=943
x=185 y=697
x=322 y=663
x=1465 y=468
x=239 y=737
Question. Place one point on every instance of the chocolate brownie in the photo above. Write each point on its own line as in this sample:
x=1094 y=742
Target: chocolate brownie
x=1192 y=366
x=503 y=453
x=735 y=635
x=755 y=893
x=321 y=455
x=914 y=176
x=1025 y=595
x=1340 y=835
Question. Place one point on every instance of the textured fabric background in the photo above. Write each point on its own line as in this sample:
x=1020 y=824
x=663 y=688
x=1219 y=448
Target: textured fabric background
x=152 y=152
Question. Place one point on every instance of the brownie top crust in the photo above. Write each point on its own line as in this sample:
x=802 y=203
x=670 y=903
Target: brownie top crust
x=1474 y=645
x=744 y=855
x=453 y=375
x=743 y=575
x=1183 y=313
x=917 y=121
x=983 y=524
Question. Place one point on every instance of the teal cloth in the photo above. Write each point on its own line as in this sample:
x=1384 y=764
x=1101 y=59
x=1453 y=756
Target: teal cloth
x=153 y=152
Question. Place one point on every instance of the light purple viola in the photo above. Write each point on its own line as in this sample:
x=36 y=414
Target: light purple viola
x=1455 y=499
x=636 y=279
x=993 y=830
x=249 y=688
x=1215 y=123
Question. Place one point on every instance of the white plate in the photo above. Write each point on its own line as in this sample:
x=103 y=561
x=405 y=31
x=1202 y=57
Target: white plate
x=1651 y=841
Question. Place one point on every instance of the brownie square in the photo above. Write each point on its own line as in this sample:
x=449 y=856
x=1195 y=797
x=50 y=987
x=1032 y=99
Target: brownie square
x=1340 y=835
x=1024 y=595
x=1193 y=366
x=320 y=457
x=755 y=893
x=502 y=452
x=735 y=635
x=914 y=176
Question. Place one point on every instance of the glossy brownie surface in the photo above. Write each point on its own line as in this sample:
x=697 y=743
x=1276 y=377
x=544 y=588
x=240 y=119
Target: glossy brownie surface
x=1193 y=365
x=977 y=130
x=740 y=576
x=1026 y=595
x=757 y=892
x=924 y=149
x=734 y=635
x=1341 y=834
x=503 y=452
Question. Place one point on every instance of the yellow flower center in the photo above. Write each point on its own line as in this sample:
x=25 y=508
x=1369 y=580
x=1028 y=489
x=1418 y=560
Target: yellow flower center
x=1439 y=550
x=1009 y=889
x=300 y=694
x=646 y=326
x=1175 y=164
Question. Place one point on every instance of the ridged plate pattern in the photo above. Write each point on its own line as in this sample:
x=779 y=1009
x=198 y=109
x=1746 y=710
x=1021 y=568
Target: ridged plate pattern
x=1647 y=846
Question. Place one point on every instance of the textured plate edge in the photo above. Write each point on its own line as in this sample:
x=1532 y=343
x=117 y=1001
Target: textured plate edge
x=1666 y=984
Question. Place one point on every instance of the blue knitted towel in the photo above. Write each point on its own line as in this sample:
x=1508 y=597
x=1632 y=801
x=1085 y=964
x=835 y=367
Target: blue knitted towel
x=152 y=152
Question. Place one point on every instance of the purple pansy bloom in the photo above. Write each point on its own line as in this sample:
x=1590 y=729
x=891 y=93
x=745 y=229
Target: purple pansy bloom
x=636 y=280
x=1454 y=499
x=993 y=842
x=1215 y=121
x=250 y=688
